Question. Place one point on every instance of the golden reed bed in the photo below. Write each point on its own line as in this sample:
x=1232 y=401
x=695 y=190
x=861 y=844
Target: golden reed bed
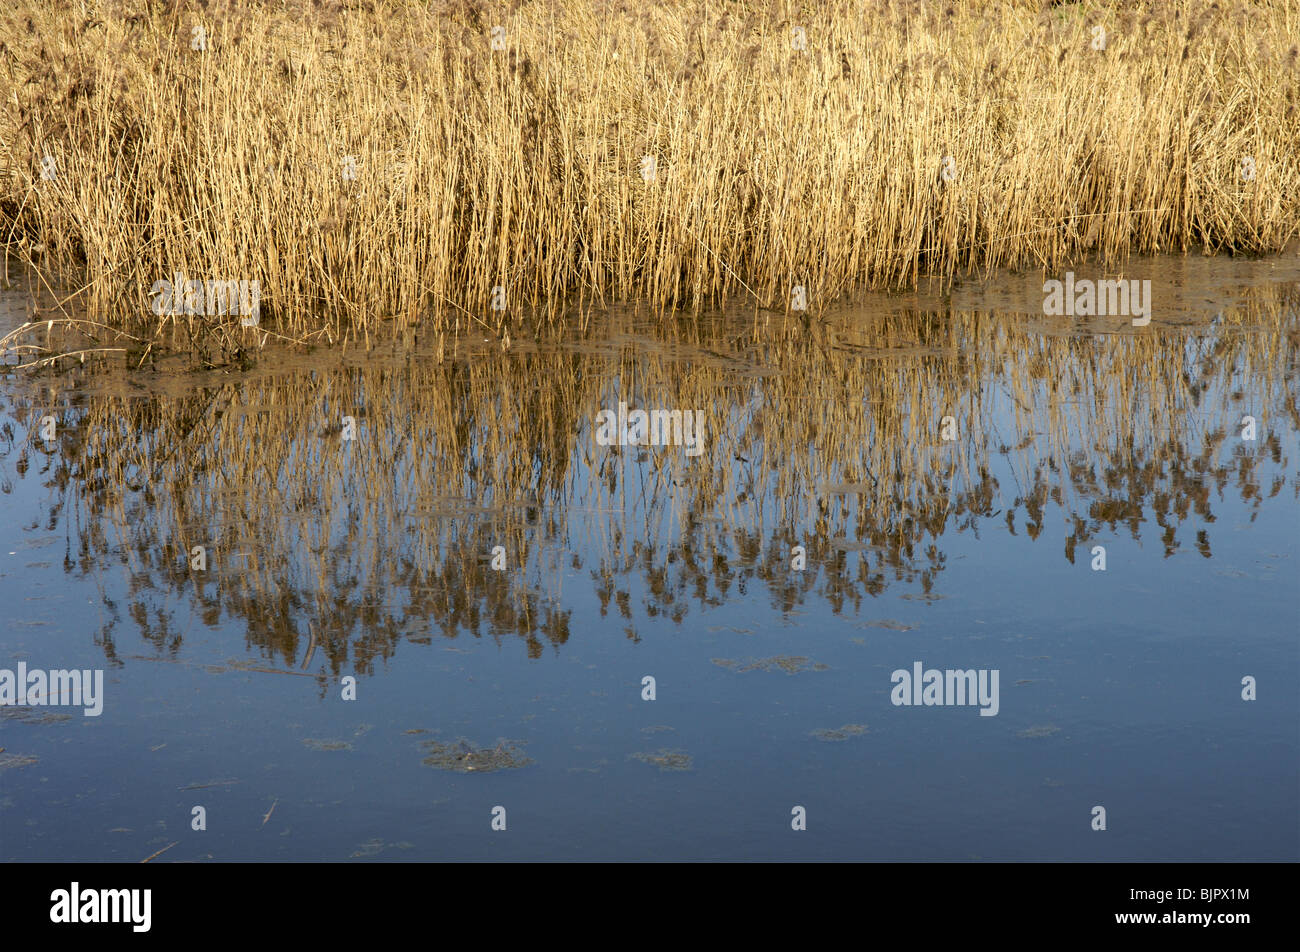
x=381 y=164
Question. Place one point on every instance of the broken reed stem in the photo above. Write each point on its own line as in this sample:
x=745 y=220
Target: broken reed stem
x=159 y=853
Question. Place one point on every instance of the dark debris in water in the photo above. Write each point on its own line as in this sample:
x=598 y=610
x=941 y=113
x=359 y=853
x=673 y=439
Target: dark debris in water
x=886 y=623
x=16 y=760
x=840 y=733
x=315 y=744
x=665 y=759
x=790 y=664
x=375 y=847
x=465 y=757
x=31 y=715
x=210 y=783
x=1039 y=730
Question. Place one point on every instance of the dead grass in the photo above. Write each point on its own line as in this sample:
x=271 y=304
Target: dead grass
x=522 y=168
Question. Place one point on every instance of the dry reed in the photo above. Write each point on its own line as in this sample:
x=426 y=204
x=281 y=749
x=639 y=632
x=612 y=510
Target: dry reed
x=522 y=168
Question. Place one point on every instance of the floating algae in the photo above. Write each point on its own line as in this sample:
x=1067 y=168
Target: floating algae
x=464 y=757
x=16 y=760
x=841 y=733
x=1039 y=730
x=665 y=759
x=657 y=728
x=315 y=744
x=886 y=623
x=29 y=715
x=790 y=664
x=375 y=847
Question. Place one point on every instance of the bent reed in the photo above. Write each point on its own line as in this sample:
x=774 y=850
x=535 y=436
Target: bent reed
x=389 y=164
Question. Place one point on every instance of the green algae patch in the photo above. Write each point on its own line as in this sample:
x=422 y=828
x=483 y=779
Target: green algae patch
x=790 y=664
x=840 y=733
x=1039 y=730
x=375 y=847
x=466 y=757
x=665 y=759
x=30 y=715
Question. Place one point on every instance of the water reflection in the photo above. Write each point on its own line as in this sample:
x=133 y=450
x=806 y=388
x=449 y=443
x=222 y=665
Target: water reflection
x=337 y=508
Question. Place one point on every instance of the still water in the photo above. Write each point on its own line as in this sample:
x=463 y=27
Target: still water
x=228 y=545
